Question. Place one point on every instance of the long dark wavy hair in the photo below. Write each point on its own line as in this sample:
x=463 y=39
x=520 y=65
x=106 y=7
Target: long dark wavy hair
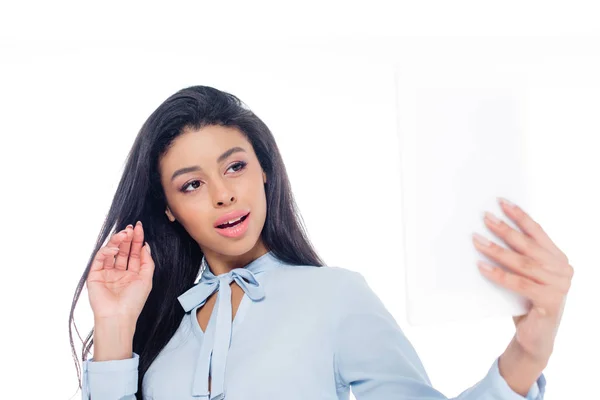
x=177 y=256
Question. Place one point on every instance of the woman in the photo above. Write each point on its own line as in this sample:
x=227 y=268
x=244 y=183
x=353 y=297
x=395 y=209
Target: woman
x=221 y=233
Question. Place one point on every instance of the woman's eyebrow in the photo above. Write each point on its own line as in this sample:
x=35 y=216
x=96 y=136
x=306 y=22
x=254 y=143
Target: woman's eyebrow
x=193 y=168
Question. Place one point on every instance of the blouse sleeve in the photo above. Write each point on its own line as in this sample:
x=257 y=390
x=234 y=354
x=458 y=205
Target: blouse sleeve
x=376 y=360
x=110 y=380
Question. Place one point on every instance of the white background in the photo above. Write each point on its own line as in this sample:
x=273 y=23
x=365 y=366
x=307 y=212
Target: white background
x=77 y=83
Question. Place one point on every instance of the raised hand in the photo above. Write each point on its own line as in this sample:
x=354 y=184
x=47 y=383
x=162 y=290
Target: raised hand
x=540 y=271
x=118 y=287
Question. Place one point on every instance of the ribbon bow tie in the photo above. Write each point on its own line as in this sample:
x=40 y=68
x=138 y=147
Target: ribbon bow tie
x=213 y=354
x=197 y=295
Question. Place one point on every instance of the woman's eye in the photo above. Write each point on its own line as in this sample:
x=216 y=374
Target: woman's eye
x=184 y=187
x=241 y=164
x=196 y=183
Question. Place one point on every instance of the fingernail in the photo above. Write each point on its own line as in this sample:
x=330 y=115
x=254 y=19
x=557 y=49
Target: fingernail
x=492 y=218
x=484 y=266
x=148 y=248
x=481 y=239
x=139 y=223
x=130 y=226
x=505 y=202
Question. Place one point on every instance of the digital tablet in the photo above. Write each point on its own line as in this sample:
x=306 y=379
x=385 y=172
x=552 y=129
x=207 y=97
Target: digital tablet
x=461 y=147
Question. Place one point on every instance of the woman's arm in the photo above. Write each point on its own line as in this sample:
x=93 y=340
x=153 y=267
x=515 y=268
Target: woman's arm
x=113 y=372
x=518 y=370
x=110 y=380
x=118 y=289
x=375 y=358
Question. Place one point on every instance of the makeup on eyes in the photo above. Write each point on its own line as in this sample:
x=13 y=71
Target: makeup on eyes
x=242 y=165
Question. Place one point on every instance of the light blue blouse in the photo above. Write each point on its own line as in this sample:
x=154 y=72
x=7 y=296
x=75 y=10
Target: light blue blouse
x=300 y=332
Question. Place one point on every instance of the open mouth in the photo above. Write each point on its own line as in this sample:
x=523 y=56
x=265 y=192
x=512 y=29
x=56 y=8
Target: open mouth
x=233 y=223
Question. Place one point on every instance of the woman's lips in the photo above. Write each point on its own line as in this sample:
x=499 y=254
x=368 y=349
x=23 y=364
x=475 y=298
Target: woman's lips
x=230 y=216
x=236 y=230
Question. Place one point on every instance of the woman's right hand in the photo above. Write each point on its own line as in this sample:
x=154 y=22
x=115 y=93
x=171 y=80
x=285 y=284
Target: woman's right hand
x=117 y=289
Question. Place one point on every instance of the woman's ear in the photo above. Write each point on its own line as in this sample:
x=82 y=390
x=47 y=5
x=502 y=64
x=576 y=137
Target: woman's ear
x=170 y=215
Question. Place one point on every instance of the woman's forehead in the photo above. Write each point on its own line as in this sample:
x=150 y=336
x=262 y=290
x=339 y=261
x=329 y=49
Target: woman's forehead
x=205 y=148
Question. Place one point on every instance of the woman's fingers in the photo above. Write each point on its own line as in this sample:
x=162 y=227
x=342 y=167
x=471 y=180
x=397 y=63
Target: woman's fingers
x=103 y=254
x=115 y=241
x=136 y=248
x=123 y=255
x=127 y=246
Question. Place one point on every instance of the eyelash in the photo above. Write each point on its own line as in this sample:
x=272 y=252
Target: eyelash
x=184 y=187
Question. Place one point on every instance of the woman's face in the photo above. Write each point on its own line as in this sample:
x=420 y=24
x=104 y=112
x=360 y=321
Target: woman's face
x=214 y=185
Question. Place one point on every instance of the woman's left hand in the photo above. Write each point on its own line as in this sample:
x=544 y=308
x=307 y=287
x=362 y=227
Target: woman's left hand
x=539 y=271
